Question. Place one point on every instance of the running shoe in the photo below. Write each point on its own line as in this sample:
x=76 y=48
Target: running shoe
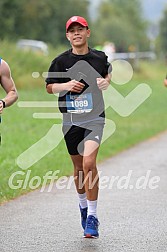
x=91 y=230
x=83 y=216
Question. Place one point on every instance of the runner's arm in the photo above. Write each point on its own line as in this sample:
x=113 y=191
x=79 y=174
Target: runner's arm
x=73 y=86
x=8 y=85
x=165 y=81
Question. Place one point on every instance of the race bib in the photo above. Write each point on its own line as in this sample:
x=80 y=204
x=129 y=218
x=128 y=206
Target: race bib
x=79 y=103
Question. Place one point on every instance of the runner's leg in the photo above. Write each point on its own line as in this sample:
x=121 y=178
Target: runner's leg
x=78 y=173
x=79 y=183
x=91 y=187
x=90 y=169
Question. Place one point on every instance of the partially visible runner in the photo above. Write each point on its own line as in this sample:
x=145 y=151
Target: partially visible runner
x=165 y=81
x=8 y=85
x=81 y=102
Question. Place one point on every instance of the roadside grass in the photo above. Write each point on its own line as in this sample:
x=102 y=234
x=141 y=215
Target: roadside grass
x=24 y=63
x=148 y=119
x=20 y=130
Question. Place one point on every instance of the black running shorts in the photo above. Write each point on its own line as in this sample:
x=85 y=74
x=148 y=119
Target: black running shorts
x=75 y=136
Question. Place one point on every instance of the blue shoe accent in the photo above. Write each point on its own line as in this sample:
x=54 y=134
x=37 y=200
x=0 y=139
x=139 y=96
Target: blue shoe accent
x=91 y=230
x=83 y=216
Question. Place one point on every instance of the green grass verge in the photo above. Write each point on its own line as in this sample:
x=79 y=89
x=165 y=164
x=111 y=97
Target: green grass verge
x=20 y=130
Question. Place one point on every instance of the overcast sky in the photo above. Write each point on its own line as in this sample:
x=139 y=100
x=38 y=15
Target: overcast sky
x=152 y=9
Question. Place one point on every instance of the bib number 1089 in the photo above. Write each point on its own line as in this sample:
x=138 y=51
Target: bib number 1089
x=79 y=103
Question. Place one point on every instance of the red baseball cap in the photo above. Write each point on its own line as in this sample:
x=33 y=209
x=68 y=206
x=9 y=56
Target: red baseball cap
x=76 y=19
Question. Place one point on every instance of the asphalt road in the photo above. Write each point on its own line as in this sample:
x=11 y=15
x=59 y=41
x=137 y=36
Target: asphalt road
x=132 y=209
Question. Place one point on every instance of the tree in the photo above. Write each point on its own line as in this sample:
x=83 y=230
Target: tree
x=121 y=22
x=163 y=32
x=8 y=13
x=39 y=19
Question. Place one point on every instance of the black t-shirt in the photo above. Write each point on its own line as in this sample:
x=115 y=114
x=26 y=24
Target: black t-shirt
x=84 y=68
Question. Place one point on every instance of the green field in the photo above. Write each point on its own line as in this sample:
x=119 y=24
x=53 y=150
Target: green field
x=20 y=130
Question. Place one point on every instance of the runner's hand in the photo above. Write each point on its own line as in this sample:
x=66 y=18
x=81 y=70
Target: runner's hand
x=102 y=83
x=75 y=86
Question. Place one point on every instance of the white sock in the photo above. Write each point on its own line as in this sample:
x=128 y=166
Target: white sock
x=92 y=208
x=82 y=200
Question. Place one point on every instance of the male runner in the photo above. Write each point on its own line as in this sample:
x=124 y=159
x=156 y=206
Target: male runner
x=81 y=102
x=165 y=81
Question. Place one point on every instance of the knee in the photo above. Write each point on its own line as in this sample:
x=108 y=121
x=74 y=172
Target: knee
x=89 y=165
x=78 y=168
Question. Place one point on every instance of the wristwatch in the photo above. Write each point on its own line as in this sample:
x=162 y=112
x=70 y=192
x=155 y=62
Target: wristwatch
x=4 y=104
